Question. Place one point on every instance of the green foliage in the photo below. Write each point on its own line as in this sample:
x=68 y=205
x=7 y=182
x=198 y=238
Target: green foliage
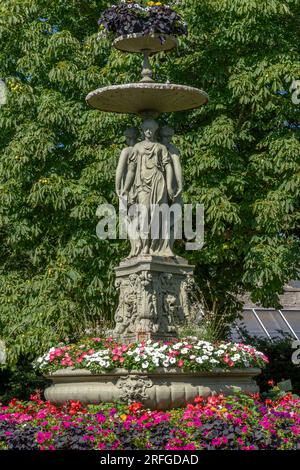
x=21 y=381
x=280 y=368
x=57 y=159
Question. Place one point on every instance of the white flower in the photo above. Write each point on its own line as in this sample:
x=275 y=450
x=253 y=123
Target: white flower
x=145 y=365
x=166 y=363
x=172 y=360
x=137 y=358
x=213 y=361
x=203 y=343
x=199 y=360
x=192 y=356
x=184 y=351
x=204 y=357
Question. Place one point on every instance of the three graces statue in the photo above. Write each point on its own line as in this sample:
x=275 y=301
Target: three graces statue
x=149 y=178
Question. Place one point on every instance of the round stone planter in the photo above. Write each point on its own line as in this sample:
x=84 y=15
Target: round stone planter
x=161 y=390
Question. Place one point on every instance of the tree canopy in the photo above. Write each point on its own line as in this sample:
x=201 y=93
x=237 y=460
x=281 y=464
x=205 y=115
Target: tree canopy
x=240 y=155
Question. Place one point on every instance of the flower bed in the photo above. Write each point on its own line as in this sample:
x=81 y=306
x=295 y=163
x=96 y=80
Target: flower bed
x=237 y=422
x=145 y=18
x=102 y=355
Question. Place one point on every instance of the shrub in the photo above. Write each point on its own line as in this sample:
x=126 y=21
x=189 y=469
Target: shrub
x=280 y=366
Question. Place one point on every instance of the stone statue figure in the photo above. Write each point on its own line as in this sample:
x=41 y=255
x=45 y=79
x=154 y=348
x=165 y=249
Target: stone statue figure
x=166 y=134
x=150 y=178
x=131 y=135
x=130 y=222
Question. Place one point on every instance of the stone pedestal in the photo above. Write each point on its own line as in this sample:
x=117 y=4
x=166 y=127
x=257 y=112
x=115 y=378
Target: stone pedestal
x=153 y=298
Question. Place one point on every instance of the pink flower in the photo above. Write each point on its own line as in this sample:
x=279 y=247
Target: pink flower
x=216 y=442
x=100 y=418
x=40 y=437
x=180 y=363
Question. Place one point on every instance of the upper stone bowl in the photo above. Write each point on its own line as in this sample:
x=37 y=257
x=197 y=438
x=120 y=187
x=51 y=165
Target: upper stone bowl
x=152 y=43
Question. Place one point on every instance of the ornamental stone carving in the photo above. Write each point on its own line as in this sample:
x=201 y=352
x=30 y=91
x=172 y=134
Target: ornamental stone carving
x=152 y=303
x=133 y=387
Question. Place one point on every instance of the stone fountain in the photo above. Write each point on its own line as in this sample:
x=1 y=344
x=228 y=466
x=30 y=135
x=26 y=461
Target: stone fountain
x=153 y=283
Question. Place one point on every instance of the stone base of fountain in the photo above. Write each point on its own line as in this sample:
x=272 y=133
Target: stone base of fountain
x=159 y=390
x=154 y=298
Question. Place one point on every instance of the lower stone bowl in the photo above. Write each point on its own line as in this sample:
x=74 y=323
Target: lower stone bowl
x=162 y=389
x=146 y=99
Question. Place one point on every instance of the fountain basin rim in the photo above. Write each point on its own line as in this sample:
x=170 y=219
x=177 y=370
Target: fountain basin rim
x=146 y=99
x=72 y=372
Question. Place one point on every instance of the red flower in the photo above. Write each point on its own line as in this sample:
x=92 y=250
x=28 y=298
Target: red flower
x=135 y=407
x=271 y=383
x=198 y=400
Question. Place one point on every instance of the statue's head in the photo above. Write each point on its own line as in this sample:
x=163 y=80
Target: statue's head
x=131 y=134
x=149 y=128
x=166 y=134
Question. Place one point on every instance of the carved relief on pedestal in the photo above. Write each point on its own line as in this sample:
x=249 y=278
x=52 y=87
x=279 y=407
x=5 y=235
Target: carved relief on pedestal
x=133 y=387
x=150 y=303
x=126 y=313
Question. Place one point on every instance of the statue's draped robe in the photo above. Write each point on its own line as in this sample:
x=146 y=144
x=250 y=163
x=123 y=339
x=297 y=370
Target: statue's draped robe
x=150 y=189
